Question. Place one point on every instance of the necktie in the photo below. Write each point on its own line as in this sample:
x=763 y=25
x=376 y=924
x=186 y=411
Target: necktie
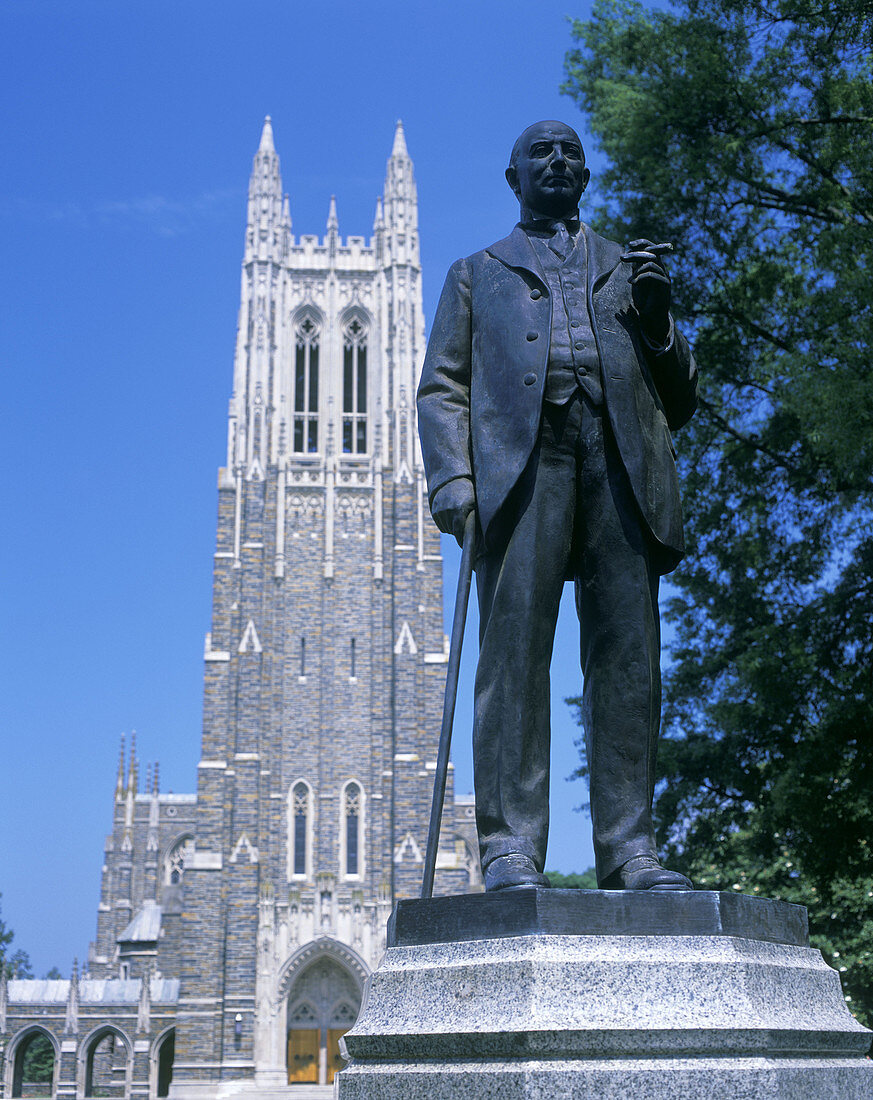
x=560 y=243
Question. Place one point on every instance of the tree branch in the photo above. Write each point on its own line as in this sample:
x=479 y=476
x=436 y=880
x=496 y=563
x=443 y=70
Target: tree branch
x=758 y=330
x=812 y=162
x=746 y=440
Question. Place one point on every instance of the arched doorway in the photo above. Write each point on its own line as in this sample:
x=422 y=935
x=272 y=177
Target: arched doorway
x=105 y=1065
x=33 y=1072
x=165 y=1053
x=323 y=1003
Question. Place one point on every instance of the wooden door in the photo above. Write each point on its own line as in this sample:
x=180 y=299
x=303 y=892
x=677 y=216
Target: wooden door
x=335 y=1060
x=303 y=1055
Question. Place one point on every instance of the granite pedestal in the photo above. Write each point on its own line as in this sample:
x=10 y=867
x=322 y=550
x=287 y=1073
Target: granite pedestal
x=553 y=994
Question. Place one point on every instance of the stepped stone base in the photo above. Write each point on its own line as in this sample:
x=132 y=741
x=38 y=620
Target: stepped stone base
x=248 y=1089
x=686 y=996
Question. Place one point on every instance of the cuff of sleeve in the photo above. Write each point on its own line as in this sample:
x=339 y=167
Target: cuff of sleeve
x=657 y=348
x=442 y=485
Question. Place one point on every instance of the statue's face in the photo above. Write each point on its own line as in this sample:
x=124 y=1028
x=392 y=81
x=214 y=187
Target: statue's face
x=549 y=174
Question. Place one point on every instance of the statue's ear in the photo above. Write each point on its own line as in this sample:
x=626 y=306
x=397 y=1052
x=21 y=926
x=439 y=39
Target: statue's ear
x=586 y=176
x=512 y=178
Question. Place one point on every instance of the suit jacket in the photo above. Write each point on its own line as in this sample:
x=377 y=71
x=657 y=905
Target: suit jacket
x=480 y=397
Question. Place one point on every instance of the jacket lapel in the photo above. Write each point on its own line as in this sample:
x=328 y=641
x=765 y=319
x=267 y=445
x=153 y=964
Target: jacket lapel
x=603 y=258
x=517 y=251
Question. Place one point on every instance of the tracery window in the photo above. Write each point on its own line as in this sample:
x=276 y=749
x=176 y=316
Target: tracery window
x=299 y=813
x=306 y=386
x=352 y=828
x=354 y=388
x=174 y=862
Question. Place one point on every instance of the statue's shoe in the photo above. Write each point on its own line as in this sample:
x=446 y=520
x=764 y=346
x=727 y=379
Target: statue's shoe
x=645 y=873
x=510 y=871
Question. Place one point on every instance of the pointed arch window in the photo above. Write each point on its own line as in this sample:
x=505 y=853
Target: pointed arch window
x=352 y=835
x=355 y=387
x=299 y=831
x=306 y=385
x=175 y=859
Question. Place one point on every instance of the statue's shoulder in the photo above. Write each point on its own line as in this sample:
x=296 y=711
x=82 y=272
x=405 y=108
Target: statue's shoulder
x=604 y=244
x=469 y=268
x=488 y=254
x=513 y=248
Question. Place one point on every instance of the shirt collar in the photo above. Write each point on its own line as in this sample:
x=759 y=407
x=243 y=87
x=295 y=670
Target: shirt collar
x=545 y=227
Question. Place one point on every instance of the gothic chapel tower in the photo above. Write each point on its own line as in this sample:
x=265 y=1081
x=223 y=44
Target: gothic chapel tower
x=325 y=662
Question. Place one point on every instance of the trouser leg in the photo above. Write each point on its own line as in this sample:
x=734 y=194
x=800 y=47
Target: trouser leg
x=617 y=602
x=519 y=589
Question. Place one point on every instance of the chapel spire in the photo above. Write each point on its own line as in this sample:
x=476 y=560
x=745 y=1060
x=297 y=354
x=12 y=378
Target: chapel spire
x=401 y=204
x=332 y=229
x=268 y=243
x=266 y=145
x=266 y=237
x=119 y=780
x=397 y=248
x=399 y=149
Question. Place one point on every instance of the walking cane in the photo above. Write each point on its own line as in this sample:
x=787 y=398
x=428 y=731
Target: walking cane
x=442 y=766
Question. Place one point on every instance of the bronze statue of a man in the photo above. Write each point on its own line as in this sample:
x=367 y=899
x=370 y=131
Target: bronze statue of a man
x=552 y=378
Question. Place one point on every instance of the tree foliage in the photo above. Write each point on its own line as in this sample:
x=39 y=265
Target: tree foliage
x=576 y=880
x=39 y=1061
x=743 y=132
x=16 y=963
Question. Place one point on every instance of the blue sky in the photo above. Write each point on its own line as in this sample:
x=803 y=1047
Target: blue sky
x=130 y=130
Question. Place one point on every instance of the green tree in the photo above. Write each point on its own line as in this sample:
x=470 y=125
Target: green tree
x=576 y=880
x=743 y=132
x=39 y=1061
x=16 y=963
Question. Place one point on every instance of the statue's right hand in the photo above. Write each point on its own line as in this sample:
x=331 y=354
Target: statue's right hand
x=452 y=504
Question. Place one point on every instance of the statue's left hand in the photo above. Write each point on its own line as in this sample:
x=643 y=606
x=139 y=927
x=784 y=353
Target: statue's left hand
x=650 y=287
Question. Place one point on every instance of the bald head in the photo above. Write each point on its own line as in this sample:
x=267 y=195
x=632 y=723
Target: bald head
x=537 y=129
x=547 y=170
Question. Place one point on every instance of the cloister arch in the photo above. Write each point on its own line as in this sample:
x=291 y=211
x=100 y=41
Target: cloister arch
x=105 y=1064
x=34 y=1051
x=161 y=1060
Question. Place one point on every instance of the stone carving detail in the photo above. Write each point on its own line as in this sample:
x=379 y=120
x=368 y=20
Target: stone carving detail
x=353 y=511
x=324 y=991
x=175 y=860
x=355 y=291
x=308 y=290
x=405 y=641
x=304 y=508
x=408 y=849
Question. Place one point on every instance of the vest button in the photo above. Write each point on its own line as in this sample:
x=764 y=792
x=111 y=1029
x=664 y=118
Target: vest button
x=578 y=345
x=530 y=379
x=574 y=324
x=532 y=335
x=536 y=294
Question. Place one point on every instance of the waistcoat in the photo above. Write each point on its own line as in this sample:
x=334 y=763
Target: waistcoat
x=573 y=360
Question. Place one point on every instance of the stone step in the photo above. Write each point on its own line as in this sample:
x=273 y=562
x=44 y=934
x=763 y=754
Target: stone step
x=301 y=1092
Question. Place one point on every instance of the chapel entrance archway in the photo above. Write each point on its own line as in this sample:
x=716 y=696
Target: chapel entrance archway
x=323 y=1003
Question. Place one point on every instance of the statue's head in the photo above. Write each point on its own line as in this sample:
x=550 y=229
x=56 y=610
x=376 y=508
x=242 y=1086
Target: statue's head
x=547 y=170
